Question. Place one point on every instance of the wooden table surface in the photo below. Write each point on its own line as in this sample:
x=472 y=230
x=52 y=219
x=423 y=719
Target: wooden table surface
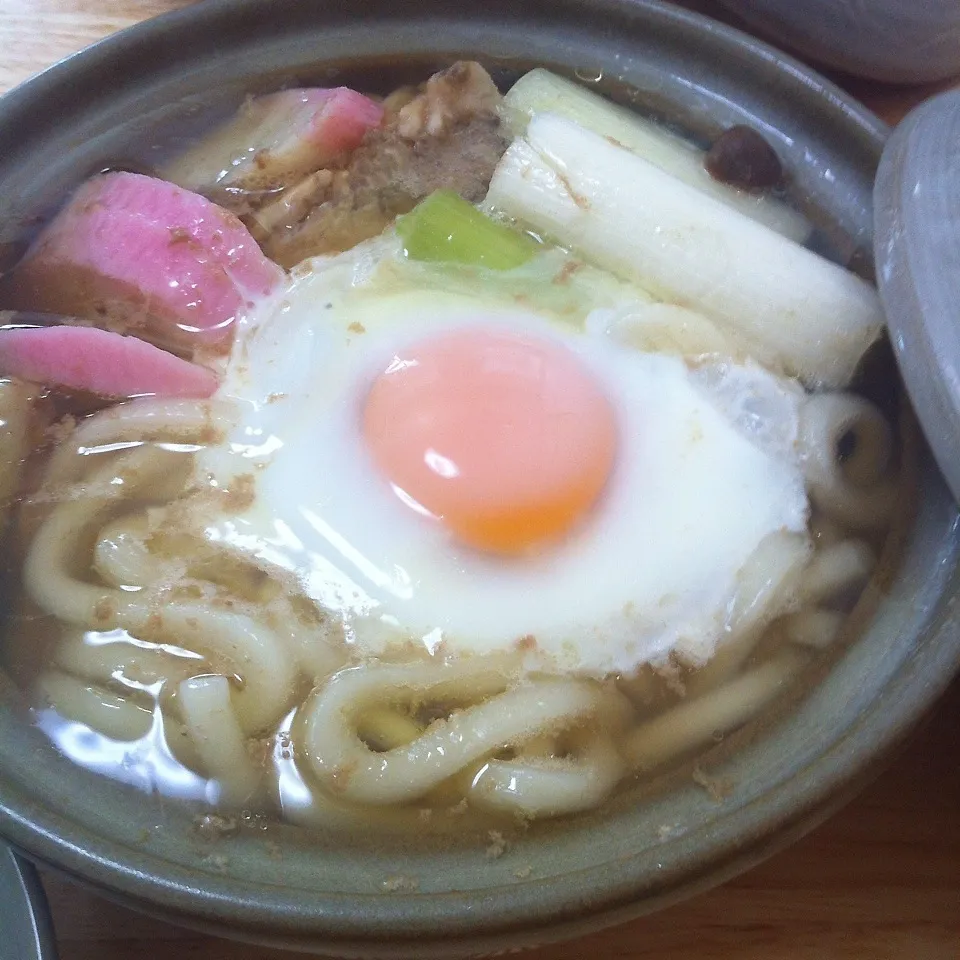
x=880 y=881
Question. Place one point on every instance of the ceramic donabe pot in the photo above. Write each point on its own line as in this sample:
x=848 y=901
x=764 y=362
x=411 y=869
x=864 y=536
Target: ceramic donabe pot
x=113 y=105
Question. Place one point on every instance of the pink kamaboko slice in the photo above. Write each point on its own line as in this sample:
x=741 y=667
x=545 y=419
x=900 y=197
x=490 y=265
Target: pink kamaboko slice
x=277 y=139
x=141 y=255
x=101 y=362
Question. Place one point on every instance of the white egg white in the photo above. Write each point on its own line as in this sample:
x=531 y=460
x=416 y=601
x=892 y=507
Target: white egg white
x=698 y=482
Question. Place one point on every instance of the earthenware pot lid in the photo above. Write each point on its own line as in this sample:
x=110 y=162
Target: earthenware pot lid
x=896 y=41
x=917 y=249
x=25 y=929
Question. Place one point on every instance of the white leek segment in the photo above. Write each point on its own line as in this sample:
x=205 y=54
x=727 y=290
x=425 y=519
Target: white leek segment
x=541 y=91
x=797 y=312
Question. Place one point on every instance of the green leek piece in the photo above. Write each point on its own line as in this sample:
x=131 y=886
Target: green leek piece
x=447 y=228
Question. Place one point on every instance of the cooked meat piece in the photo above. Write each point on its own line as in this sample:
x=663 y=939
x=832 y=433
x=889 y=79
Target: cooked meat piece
x=446 y=137
x=449 y=98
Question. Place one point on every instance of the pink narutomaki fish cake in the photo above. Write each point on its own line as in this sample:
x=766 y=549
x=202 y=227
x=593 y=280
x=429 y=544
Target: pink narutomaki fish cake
x=142 y=255
x=84 y=358
x=342 y=121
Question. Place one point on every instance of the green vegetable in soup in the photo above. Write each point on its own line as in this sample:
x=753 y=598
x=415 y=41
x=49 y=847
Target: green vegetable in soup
x=444 y=227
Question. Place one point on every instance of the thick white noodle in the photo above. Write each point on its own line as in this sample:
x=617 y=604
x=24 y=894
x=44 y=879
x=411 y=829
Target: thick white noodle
x=385 y=728
x=209 y=718
x=252 y=653
x=572 y=740
x=123 y=659
x=176 y=738
x=58 y=545
x=317 y=650
x=698 y=722
x=123 y=558
x=250 y=649
x=814 y=627
x=824 y=532
x=134 y=423
x=834 y=571
x=766 y=585
x=351 y=770
x=533 y=787
x=315 y=809
x=861 y=492
x=115 y=716
x=645 y=689
x=311 y=806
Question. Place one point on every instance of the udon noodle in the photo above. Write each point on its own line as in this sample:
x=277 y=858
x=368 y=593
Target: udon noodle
x=148 y=632
x=199 y=661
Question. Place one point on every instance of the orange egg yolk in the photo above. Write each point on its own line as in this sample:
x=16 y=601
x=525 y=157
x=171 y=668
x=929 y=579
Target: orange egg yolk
x=506 y=438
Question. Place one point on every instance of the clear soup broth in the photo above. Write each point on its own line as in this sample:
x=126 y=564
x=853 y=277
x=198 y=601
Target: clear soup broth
x=281 y=596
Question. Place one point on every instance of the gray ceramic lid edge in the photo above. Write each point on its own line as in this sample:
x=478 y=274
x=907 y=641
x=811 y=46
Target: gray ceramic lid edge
x=917 y=251
x=26 y=930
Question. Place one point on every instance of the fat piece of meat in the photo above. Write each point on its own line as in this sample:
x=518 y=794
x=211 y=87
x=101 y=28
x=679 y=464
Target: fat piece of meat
x=444 y=136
